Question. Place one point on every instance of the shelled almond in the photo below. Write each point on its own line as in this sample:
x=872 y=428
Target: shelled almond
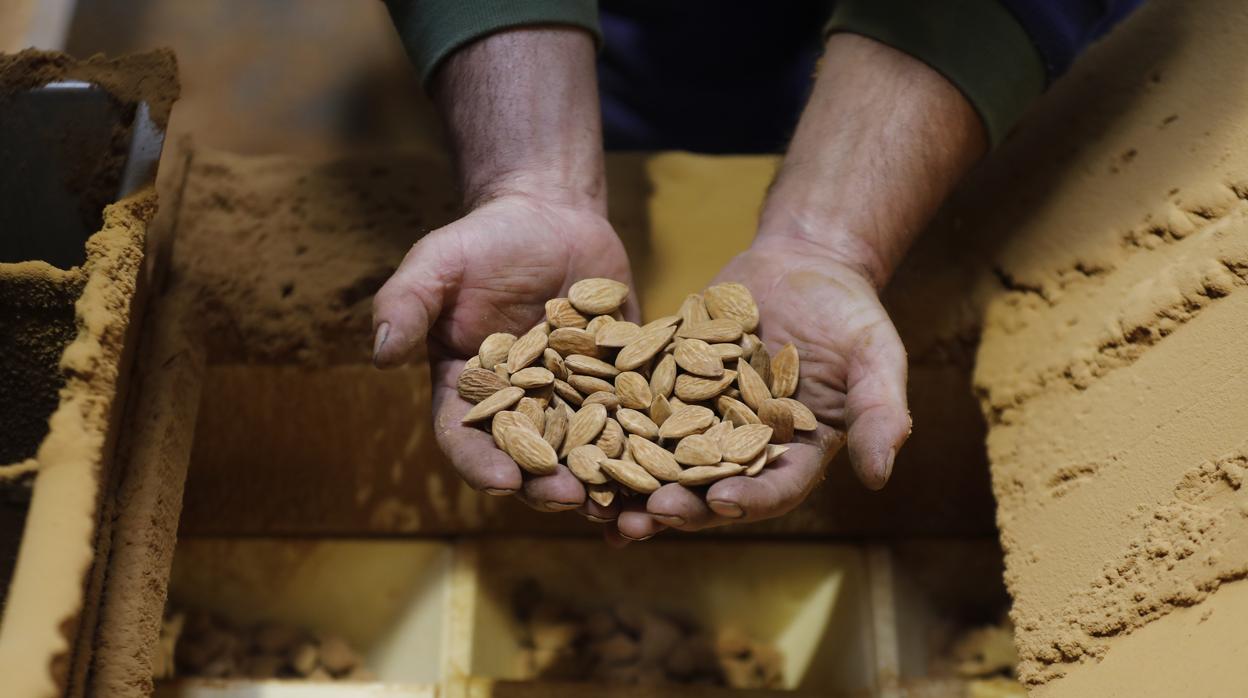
x=690 y=398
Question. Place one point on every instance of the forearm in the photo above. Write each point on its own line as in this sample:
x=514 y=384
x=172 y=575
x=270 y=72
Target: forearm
x=521 y=111
x=881 y=143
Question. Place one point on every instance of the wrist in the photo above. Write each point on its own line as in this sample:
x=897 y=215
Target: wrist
x=587 y=192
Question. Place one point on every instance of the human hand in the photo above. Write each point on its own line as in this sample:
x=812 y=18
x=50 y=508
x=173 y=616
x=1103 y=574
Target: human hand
x=853 y=377
x=492 y=271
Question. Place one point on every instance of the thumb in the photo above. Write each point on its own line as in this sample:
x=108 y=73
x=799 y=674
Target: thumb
x=410 y=301
x=878 y=418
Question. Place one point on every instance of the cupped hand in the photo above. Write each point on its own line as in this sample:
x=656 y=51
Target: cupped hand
x=491 y=271
x=853 y=377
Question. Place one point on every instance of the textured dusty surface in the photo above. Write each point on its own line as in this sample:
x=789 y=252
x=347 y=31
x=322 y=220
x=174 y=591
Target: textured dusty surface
x=1112 y=368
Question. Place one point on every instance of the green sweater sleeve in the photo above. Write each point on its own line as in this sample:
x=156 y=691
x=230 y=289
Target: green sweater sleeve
x=432 y=29
x=976 y=44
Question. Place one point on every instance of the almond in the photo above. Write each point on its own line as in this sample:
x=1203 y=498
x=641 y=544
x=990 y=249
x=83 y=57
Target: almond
x=663 y=377
x=734 y=410
x=727 y=350
x=570 y=340
x=753 y=390
x=596 y=323
x=695 y=356
x=693 y=310
x=631 y=475
x=633 y=390
x=530 y=451
x=494 y=349
x=760 y=361
x=685 y=421
x=706 y=474
x=584 y=462
x=588 y=385
x=660 y=410
x=556 y=426
x=660 y=323
x=603 y=495
x=719 y=432
x=657 y=460
x=495 y=403
x=532 y=377
x=746 y=442
x=617 y=335
x=749 y=344
x=694 y=389
x=635 y=422
x=756 y=466
x=584 y=427
x=526 y=349
x=568 y=393
x=501 y=371
x=698 y=449
x=608 y=400
x=785 y=372
x=714 y=331
x=473 y=362
x=503 y=421
x=732 y=301
x=611 y=440
x=803 y=418
x=476 y=384
x=642 y=349
x=533 y=410
x=779 y=417
x=552 y=362
x=560 y=313
x=597 y=296
x=589 y=366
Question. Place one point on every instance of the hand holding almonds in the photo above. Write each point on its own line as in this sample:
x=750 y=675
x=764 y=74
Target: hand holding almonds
x=690 y=398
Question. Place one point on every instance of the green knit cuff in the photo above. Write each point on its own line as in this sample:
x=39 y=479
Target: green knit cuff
x=976 y=44
x=432 y=29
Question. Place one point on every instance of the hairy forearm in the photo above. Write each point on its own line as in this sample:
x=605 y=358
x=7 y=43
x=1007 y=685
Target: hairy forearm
x=521 y=111
x=882 y=141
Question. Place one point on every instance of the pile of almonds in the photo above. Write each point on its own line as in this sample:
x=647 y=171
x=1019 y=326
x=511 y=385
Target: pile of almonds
x=691 y=398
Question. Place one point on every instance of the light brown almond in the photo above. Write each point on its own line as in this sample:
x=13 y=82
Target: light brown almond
x=589 y=366
x=505 y=420
x=692 y=388
x=785 y=371
x=556 y=426
x=584 y=462
x=530 y=451
x=760 y=361
x=543 y=394
x=495 y=403
x=631 y=475
x=732 y=301
x=698 y=449
x=727 y=350
x=596 y=323
x=663 y=377
x=532 y=377
x=611 y=440
x=660 y=410
x=754 y=392
x=476 y=384
x=713 y=331
x=494 y=349
x=696 y=357
x=568 y=393
x=635 y=422
x=685 y=421
x=719 y=432
x=603 y=495
x=473 y=362
x=675 y=402
x=617 y=335
x=560 y=313
x=803 y=418
x=707 y=474
x=749 y=344
x=552 y=362
x=597 y=296
x=589 y=385
x=526 y=350
x=533 y=410
x=661 y=322
x=633 y=390
x=693 y=310
x=608 y=400
x=570 y=340
x=756 y=466
x=774 y=451
x=657 y=460
x=501 y=371
x=746 y=442
x=642 y=349
x=584 y=427
x=779 y=417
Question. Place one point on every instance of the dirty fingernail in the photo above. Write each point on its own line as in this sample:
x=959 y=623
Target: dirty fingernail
x=561 y=506
x=730 y=510
x=598 y=519
x=888 y=465
x=669 y=519
x=499 y=492
x=379 y=340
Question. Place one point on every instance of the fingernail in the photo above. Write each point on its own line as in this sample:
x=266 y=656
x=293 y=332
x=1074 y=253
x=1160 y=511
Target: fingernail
x=635 y=540
x=499 y=492
x=561 y=506
x=598 y=519
x=888 y=464
x=669 y=519
x=727 y=509
x=379 y=339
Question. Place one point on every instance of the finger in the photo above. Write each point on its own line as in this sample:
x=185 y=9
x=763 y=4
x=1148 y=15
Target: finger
x=471 y=451
x=611 y=535
x=878 y=418
x=680 y=507
x=777 y=490
x=634 y=523
x=560 y=491
x=411 y=299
